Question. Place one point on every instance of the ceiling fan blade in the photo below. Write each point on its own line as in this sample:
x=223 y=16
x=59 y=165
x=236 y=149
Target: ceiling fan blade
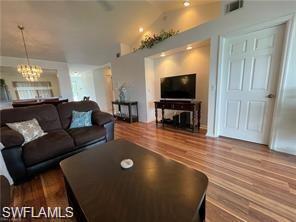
x=105 y=5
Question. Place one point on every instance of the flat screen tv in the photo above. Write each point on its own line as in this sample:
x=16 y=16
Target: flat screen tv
x=178 y=87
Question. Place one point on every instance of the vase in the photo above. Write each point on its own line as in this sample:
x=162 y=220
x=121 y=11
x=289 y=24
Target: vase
x=122 y=95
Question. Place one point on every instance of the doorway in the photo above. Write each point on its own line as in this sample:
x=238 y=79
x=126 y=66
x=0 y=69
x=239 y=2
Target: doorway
x=103 y=87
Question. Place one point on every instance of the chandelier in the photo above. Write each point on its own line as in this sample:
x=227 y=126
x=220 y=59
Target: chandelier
x=29 y=72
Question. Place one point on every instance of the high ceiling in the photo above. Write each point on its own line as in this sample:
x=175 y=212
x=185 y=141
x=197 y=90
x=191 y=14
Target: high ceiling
x=85 y=32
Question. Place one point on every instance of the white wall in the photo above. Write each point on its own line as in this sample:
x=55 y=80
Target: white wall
x=131 y=67
x=183 y=19
x=62 y=71
x=150 y=78
x=285 y=125
x=124 y=49
x=103 y=88
x=187 y=62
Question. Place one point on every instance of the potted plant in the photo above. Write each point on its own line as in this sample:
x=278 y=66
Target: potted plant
x=4 y=94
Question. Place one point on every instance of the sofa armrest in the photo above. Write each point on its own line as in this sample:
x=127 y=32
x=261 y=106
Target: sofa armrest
x=109 y=131
x=101 y=118
x=10 y=138
x=15 y=164
x=106 y=120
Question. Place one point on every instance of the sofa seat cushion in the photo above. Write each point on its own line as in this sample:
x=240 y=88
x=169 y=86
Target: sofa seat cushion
x=84 y=135
x=51 y=145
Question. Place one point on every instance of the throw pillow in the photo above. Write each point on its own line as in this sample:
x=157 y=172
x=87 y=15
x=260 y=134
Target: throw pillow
x=30 y=129
x=81 y=119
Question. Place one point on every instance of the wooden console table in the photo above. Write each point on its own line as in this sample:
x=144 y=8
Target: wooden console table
x=194 y=107
x=129 y=117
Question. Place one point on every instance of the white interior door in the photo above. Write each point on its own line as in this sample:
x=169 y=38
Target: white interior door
x=249 y=82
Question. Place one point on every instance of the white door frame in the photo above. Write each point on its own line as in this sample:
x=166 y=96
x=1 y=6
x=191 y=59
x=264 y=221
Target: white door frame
x=290 y=28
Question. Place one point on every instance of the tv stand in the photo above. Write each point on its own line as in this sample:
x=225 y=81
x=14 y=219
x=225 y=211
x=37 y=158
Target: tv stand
x=190 y=106
x=177 y=101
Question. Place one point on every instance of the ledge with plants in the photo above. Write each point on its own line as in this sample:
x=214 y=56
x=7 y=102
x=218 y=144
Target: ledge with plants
x=150 y=41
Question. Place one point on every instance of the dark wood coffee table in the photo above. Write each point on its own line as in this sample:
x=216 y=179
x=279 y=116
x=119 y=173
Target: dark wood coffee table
x=155 y=189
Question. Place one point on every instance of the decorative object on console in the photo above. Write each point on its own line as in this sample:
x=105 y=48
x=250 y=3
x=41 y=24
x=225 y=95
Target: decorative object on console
x=81 y=119
x=30 y=129
x=86 y=98
x=150 y=41
x=28 y=71
x=122 y=92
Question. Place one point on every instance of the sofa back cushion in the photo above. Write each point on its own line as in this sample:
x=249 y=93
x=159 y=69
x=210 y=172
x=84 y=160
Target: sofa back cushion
x=65 y=110
x=46 y=115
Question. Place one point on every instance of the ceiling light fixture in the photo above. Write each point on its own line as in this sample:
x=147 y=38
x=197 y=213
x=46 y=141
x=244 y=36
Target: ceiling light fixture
x=186 y=3
x=162 y=54
x=76 y=74
x=141 y=29
x=189 y=47
x=29 y=72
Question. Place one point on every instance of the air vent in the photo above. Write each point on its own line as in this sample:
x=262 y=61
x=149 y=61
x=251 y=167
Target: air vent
x=232 y=6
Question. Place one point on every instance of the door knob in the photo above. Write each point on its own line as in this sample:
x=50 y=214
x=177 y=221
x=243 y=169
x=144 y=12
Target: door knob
x=270 y=96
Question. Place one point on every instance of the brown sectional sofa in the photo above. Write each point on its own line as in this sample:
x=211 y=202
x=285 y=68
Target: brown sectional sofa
x=24 y=161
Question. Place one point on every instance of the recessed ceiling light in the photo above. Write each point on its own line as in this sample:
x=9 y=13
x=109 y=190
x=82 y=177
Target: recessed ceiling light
x=189 y=47
x=162 y=54
x=141 y=29
x=186 y=3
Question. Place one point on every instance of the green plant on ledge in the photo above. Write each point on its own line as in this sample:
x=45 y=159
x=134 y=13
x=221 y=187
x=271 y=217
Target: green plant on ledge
x=150 y=41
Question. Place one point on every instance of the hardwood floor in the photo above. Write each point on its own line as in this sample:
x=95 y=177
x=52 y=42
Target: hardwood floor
x=247 y=181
